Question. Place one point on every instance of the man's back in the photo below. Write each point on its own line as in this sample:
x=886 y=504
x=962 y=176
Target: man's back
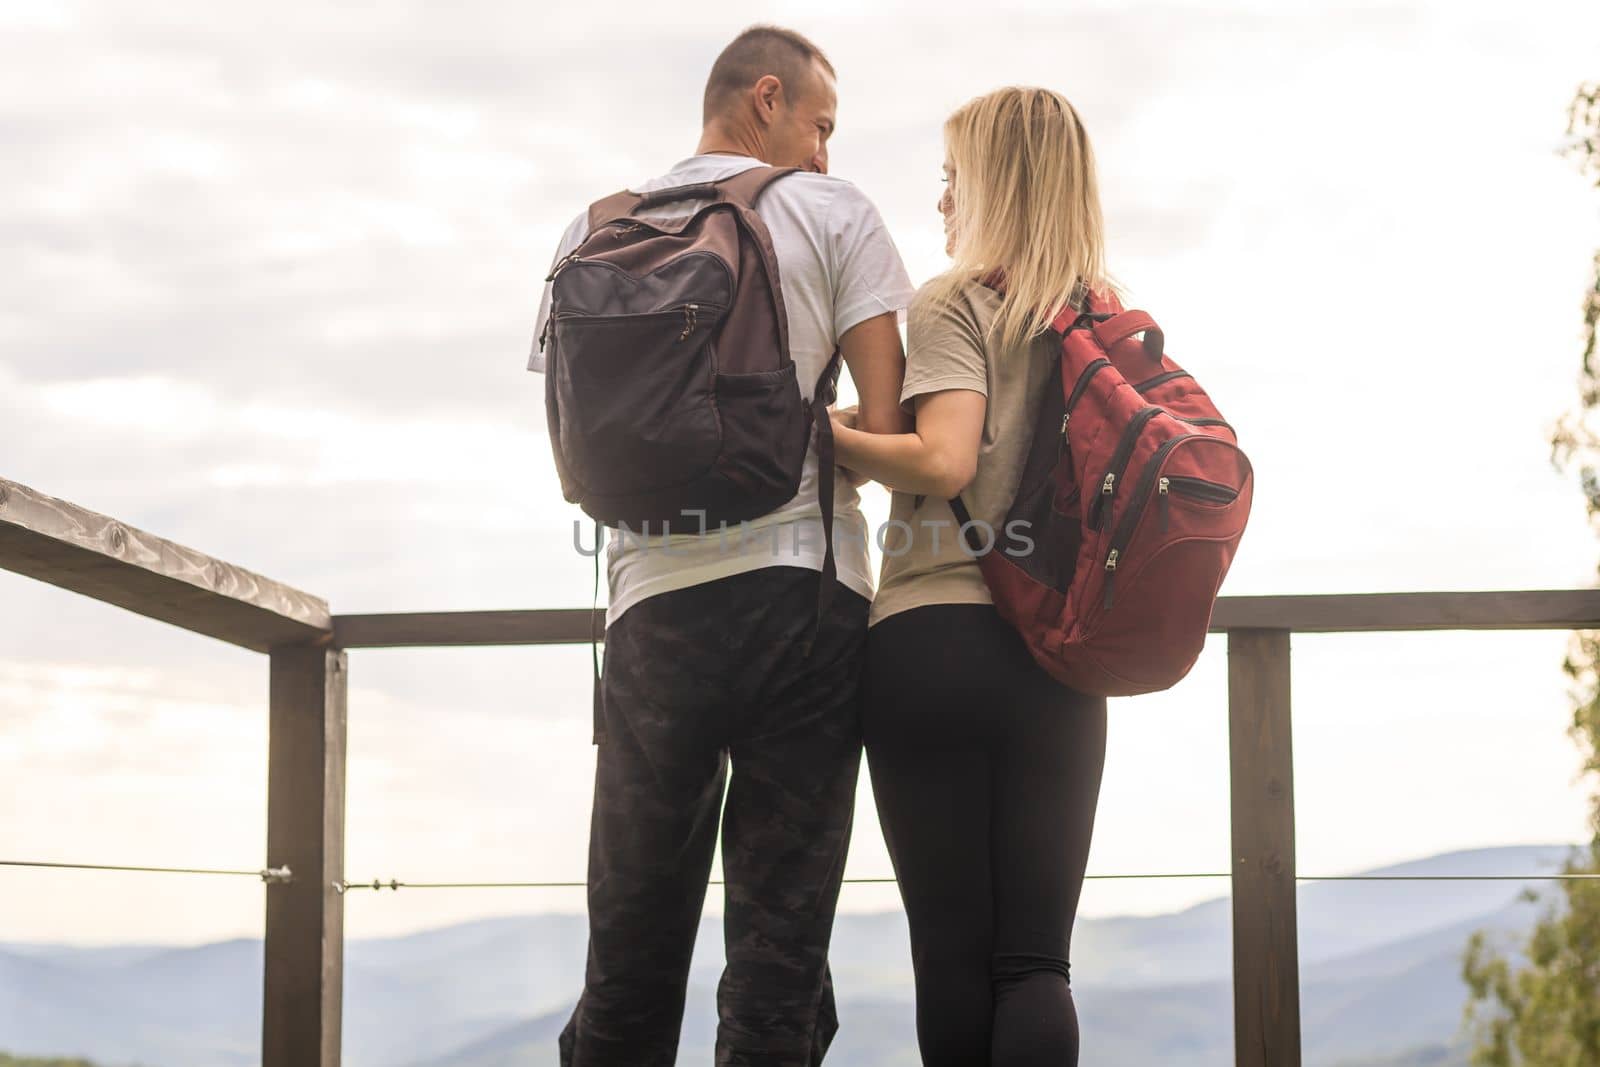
x=838 y=268
x=728 y=702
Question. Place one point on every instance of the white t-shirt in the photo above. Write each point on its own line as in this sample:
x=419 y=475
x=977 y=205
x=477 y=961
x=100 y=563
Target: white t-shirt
x=838 y=267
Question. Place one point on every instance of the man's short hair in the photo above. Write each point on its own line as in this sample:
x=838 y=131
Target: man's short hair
x=755 y=53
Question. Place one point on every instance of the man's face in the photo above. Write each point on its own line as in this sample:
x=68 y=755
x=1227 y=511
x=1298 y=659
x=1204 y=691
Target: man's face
x=799 y=135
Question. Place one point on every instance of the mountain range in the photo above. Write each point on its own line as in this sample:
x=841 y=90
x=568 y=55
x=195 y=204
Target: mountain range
x=1379 y=970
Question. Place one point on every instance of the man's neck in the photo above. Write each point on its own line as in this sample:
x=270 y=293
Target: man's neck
x=715 y=141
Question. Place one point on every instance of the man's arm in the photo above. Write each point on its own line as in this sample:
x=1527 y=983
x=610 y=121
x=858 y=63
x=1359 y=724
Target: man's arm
x=870 y=290
x=877 y=362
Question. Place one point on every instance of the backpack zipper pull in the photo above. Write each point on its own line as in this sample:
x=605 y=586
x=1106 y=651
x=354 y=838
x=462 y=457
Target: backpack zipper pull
x=1111 y=575
x=559 y=267
x=688 y=320
x=1103 y=519
x=1162 y=488
x=1061 y=445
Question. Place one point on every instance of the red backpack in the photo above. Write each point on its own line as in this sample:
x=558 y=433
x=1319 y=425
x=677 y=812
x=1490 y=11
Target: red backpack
x=1131 y=505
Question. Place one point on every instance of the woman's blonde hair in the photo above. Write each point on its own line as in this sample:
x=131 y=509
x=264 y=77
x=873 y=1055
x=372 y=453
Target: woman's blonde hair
x=1026 y=203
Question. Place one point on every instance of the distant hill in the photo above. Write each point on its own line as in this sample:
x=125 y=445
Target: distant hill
x=1431 y=1056
x=1379 y=963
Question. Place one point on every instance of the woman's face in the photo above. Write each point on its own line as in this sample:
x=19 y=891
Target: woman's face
x=947 y=208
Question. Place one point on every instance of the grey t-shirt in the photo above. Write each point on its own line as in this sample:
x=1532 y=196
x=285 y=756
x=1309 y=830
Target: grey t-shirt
x=946 y=348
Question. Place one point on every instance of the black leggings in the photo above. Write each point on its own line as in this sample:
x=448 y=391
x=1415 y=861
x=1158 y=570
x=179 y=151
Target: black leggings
x=986 y=772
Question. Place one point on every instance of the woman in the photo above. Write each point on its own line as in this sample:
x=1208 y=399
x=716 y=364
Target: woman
x=986 y=770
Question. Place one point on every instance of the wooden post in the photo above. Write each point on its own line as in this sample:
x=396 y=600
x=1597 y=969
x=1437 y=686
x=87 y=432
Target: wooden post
x=303 y=987
x=1266 y=960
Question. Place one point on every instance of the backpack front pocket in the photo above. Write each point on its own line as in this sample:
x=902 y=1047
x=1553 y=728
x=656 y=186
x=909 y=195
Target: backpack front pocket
x=636 y=398
x=763 y=436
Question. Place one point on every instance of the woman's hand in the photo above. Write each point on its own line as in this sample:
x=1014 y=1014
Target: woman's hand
x=939 y=457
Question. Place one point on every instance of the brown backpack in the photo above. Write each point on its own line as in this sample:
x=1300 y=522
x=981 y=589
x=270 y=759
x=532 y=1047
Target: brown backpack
x=671 y=397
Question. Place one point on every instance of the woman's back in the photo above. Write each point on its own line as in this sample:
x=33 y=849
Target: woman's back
x=950 y=346
x=985 y=769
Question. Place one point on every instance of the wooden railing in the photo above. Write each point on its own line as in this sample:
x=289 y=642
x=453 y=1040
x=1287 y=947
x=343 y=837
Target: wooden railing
x=65 y=545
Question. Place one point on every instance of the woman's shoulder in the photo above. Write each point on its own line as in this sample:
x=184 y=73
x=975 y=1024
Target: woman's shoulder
x=946 y=298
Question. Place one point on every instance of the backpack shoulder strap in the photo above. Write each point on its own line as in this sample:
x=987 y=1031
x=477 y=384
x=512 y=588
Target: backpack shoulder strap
x=968 y=528
x=740 y=192
x=746 y=187
x=1099 y=302
x=742 y=189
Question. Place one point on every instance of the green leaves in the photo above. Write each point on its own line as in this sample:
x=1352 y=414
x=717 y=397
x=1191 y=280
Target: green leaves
x=1538 y=1004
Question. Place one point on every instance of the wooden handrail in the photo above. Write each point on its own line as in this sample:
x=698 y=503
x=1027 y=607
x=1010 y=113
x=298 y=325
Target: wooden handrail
x=81 y=550
x=1527 y=609
x=89 y=553
x=439 y=629
x=1535 y=609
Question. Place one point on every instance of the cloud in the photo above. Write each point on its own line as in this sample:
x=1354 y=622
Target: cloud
x=360 y=208
x=270 y=275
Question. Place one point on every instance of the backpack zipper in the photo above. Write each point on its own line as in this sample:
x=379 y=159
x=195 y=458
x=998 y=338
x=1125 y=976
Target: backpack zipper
x=1201 y=489
x=1078 y=387
x=1162 y=379
x=675 y=309
x=1101 y=519
x=561 y=265
x=1198 y=488
x=1204 y=420
x=1130 y=518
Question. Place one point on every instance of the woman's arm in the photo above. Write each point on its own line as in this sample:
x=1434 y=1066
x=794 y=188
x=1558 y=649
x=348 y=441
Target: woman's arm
x=939 y=457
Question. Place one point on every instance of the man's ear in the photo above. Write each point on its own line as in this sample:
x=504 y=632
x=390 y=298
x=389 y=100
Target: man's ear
x=768 y=96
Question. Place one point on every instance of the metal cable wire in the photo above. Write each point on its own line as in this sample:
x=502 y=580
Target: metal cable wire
x=268 y=874
x=379 y=884
x=1446 y=877
x=284 y=875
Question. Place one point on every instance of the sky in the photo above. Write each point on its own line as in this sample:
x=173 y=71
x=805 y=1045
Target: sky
x=270 y=277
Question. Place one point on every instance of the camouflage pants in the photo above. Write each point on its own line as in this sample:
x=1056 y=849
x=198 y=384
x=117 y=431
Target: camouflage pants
x=695 y=680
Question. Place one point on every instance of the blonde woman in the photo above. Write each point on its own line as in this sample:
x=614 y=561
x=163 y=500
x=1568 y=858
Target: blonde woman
x=986 y=771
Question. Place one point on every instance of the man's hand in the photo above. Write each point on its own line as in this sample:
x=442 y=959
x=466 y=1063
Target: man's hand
x=845 y=418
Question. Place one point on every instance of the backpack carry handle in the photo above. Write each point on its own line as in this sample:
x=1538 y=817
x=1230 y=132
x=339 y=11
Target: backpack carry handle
x=1122 y=326
x=697 y=191
x=742 y=189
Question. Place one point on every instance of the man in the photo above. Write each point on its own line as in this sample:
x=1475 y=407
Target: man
x=705 y=661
